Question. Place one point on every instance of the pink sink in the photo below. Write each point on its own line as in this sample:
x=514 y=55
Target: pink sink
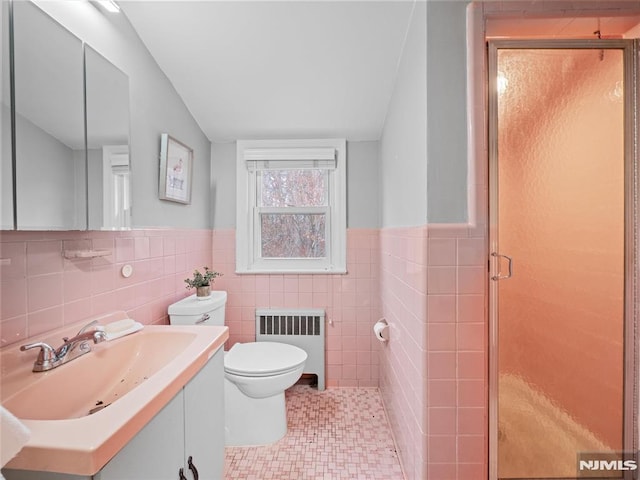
x=97 y=379
x=132 y=378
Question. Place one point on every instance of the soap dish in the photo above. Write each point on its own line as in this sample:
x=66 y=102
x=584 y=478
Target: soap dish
x=121 y=328
x=69 y=254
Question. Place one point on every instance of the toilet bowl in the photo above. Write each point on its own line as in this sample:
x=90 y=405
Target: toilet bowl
x=256 y=376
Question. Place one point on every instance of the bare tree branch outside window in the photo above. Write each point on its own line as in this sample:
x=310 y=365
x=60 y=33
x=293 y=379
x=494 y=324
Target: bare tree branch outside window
x=293 y=235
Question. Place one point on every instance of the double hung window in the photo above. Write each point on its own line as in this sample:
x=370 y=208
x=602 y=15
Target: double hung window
x=291 y=209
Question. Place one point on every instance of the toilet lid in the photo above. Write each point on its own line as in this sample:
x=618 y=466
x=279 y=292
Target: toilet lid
x=260 y=359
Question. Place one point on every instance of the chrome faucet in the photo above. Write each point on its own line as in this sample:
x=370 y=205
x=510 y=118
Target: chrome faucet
x=50 y=358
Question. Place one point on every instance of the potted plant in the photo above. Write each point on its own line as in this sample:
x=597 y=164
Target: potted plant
x=202 y=282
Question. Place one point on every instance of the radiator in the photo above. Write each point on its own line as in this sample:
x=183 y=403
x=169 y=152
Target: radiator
x=303 y=328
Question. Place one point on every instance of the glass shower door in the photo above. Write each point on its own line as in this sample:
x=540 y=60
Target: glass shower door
x=558 y=257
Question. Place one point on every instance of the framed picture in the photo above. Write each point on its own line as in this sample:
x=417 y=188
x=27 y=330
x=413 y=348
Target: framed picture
x=176 y=170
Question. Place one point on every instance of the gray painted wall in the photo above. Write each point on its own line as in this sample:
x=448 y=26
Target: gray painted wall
x=363 y=196
x=363 y=178
x=223 y=184
x=447 y=119
x=432 y=71
x=48 y=197
x=94 y=176
x=403 y=148
x=155 y=107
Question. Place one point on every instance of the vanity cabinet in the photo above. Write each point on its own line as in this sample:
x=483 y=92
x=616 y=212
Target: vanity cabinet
x=191 y=425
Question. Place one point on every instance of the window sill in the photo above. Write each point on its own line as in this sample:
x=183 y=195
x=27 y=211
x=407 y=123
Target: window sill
x=292 y=271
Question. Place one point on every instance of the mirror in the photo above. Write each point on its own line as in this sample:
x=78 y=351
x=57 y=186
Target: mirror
x=108 y=167
x=49 y=123
x=72 y=169
x=6 y=166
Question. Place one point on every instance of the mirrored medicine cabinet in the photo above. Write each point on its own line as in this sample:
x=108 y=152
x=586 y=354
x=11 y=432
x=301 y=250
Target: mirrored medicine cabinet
x=65 y=129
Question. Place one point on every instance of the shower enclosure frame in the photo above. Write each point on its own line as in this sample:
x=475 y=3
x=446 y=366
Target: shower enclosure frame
x=631 y=49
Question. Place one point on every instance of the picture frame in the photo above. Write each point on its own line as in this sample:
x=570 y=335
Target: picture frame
x=176 y=170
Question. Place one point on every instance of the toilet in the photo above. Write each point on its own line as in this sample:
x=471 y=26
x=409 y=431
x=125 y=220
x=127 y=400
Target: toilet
x=256 y=375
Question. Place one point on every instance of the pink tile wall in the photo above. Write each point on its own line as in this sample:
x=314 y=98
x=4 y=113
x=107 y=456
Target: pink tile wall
x=433 y=373
x=41 y=290
x=427 y=281
x=351 y=302
x=458 y=357
x=403 y=362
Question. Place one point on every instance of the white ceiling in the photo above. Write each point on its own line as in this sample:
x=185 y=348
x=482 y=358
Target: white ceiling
x=273 y=69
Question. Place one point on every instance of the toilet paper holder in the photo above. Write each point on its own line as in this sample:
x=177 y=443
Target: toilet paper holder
x=381 y=330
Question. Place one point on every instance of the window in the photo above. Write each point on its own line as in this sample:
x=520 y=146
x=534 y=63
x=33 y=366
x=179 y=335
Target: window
x=291 y=206
x=116 y=188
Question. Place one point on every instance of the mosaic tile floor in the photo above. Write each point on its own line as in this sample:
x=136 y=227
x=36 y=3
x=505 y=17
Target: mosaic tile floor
x=341 y=433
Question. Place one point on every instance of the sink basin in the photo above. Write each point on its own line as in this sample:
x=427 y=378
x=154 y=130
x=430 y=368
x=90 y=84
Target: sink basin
x=124 y=382
x=94 y=381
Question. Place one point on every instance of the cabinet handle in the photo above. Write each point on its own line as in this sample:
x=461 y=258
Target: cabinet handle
x=192 y=467
x=182 y=477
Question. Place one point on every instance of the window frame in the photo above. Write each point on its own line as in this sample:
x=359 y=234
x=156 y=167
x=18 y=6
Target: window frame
x=248 y=210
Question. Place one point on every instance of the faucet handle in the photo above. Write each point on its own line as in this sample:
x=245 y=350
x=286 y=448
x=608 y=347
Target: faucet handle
x=85 y=328
x=99 y=335
x=47 y=353
x=90 y=324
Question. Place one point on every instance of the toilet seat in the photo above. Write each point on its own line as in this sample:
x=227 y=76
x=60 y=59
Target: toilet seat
x=263 y=359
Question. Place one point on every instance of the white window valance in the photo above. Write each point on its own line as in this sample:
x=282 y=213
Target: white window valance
x=290 y=158
x=119 y=159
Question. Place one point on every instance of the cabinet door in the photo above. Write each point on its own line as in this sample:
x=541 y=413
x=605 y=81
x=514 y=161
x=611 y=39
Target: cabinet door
x=36 y=475
x=204 y=419
x=156 y=452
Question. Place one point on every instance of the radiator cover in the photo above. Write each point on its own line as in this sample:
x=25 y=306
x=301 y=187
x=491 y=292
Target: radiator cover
x=303 y=328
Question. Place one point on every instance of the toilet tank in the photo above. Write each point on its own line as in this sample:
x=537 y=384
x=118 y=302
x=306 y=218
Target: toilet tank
x=193 y=310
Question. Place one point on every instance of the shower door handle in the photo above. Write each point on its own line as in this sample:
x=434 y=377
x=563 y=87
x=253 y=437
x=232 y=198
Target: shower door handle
x=510 y=272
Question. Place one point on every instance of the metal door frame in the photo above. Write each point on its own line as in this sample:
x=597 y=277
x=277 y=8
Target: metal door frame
x=631 y=49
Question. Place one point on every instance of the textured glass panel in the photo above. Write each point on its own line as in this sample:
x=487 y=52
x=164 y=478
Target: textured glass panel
x=293 y=188
x=561 y=219
x=293 y=235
